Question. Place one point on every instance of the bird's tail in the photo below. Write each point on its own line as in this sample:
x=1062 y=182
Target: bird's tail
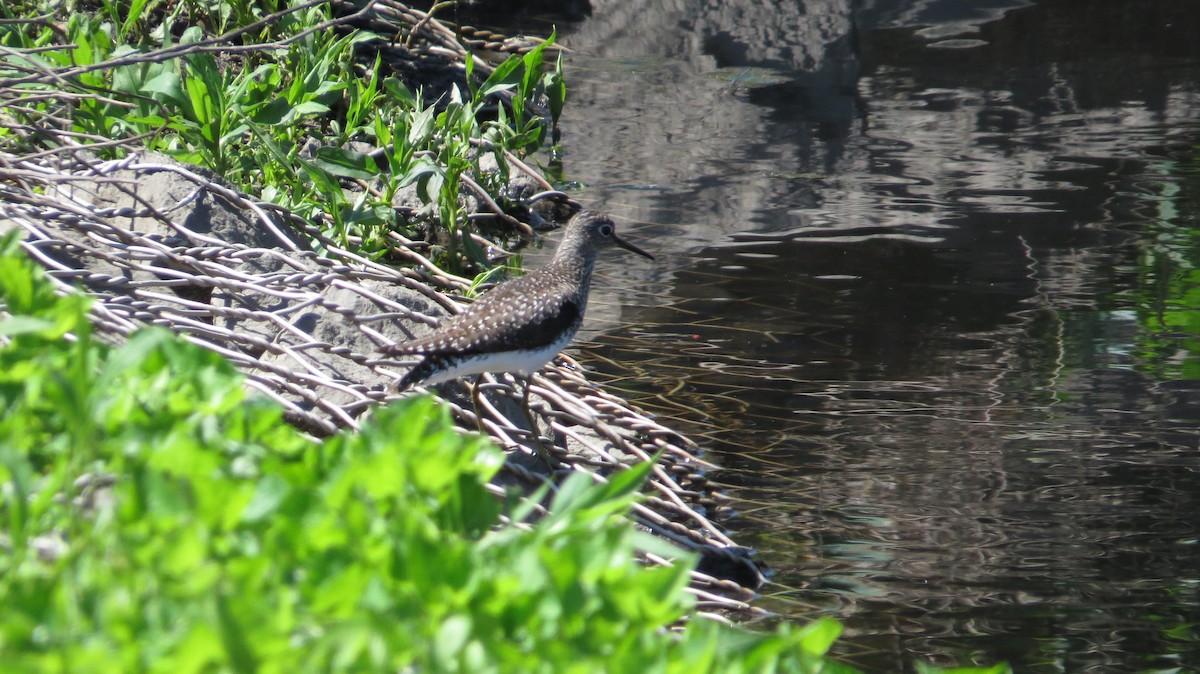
x=419 y=373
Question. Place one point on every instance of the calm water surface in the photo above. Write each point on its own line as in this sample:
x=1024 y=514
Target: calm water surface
x=929 y=290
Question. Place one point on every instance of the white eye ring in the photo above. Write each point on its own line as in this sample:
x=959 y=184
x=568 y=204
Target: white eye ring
x=605 y=230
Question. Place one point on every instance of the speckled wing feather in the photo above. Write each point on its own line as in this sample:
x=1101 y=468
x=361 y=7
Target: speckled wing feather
x=525 y=313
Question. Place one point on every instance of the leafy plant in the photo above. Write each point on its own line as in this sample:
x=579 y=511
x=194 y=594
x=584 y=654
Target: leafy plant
x=527 y=79
x=280 y=123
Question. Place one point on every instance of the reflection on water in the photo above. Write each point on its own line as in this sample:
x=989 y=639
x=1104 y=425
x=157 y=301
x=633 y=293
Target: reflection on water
x=929 y=290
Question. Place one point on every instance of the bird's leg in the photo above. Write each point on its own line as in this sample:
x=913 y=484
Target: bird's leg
x=543 y=452
x=525 y=406
x=477 y=406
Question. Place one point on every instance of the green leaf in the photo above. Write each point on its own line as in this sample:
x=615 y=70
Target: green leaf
x=400 y=92
x=168 y=85
x=270 y=493
x=580 y=493
x=503 y=78
x=273 y=113
x=555 y=85
x=306 y=109
x=21 y=325
x=233 y=637
x=452 y=636
x=421 y=127
x=817 y=637
x=346 y=163
x=532 y=62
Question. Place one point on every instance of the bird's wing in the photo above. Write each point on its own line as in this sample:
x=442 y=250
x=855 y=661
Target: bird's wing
x=524 y=315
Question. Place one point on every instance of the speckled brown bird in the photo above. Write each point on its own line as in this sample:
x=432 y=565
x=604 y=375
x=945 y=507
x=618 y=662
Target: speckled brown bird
x=519 y=325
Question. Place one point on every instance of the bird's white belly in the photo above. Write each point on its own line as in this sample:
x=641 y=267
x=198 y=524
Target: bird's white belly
x=525 y=361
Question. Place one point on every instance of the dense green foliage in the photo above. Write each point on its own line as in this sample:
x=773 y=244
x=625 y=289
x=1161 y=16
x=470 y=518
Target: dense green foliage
x=157 y=518
x=278 y=122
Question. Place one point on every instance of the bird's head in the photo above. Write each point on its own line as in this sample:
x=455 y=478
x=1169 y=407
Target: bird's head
x=598 y=231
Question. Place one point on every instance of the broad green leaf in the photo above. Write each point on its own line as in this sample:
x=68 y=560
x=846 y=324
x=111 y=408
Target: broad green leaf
x=346 y=163
x=400 y=92
x=270 y=493
x=503 y=78
x=168 y=85
x=238 y=651
x=20 y=325
x=306 y=109
x=817 y=636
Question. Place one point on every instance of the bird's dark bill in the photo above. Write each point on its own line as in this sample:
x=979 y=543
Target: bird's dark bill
x=630 y=247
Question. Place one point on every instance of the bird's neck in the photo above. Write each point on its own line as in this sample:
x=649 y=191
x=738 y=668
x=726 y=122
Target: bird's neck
x=575 y=259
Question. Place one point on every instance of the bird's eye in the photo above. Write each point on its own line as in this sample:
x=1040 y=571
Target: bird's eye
x=605 y=230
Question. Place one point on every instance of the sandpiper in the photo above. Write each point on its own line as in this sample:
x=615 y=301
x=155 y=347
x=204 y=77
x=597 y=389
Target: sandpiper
x=519 y=325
